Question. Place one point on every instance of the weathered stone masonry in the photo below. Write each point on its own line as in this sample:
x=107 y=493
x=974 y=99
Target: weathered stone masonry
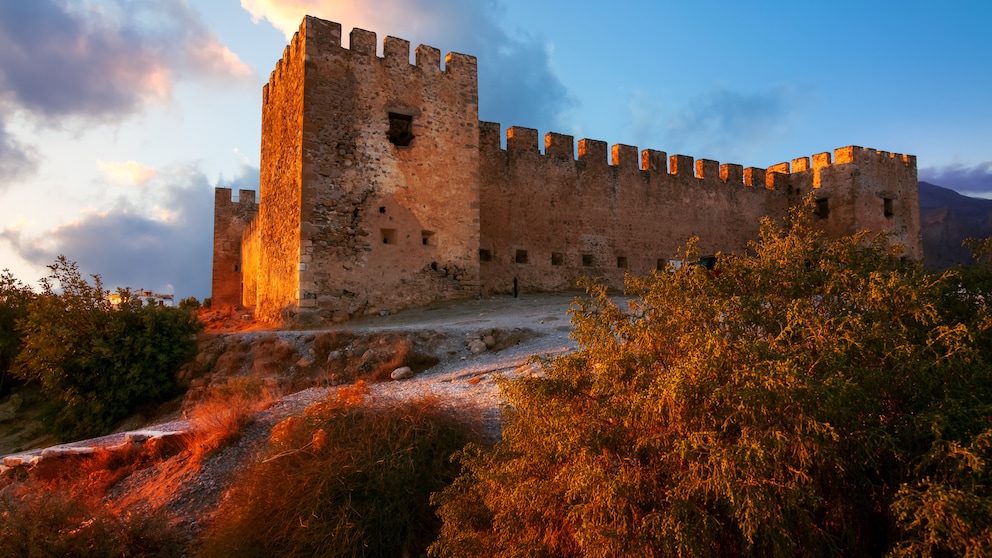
x=380 y=189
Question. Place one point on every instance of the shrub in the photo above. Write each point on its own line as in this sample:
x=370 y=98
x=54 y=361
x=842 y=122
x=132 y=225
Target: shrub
x=48 y=522
x=815 y=397
x=14 y=300
x=349 y=478
x=97 y=361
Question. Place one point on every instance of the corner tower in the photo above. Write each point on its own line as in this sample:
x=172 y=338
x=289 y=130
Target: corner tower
x=369 y=179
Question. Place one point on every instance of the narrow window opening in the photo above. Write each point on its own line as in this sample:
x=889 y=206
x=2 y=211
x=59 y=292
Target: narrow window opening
x=388 y=236
x=660 y=265
x=382 y=210
x=888 y=207
x=400 y=129
x=427 y=238
x=622 y=262
x=237 y=267
x=587 y=260
x=434 y=266
x=521 y=257
x=822 y=209
x=557 y=258
x=485 y=255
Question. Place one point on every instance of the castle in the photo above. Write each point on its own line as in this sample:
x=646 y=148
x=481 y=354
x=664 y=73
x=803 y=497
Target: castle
x=380 y=189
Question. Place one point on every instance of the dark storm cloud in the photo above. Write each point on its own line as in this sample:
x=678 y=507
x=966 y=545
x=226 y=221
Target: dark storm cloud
x=973 y=181
x=129 y=249
x=62 y=59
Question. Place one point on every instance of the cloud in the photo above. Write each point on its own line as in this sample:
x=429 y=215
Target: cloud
x=719 y=121
x=128 y=172
x=163 y=243
x=517 y=85
x=104 y=61
x=16 y=159
x=973 y=181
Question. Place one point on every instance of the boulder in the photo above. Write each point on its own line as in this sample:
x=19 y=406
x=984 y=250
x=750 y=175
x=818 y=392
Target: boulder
x=402 y=373
x=476 y=346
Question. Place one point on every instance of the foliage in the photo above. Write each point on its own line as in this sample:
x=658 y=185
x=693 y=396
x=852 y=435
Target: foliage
x=189 y=303
x=14 y=299
x=349 y=478
x=95 y=360
x=816 y=397
x=47 y=522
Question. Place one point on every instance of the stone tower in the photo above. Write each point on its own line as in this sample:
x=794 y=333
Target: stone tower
x=369 y=179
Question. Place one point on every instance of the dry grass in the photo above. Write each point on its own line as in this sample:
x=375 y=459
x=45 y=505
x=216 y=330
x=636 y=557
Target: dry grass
x=349 y=478
x=58 y=509
x=218 y=419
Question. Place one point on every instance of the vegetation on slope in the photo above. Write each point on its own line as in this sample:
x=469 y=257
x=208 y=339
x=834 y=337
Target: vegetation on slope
x=814 y=397
x=349 y=478
x=95 y=361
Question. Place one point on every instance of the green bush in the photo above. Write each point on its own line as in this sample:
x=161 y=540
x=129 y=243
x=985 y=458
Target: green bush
x=815 y=397
x=347 y=479
x=98 y=361
x=14 y=300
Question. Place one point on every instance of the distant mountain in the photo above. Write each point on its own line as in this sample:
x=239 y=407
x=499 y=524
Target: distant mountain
x=947 y=218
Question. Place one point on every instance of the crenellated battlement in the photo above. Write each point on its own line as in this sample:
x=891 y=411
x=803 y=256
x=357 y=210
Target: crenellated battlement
x=521 y=141
x=316 y=37
x=225 y=196
x=844 y=155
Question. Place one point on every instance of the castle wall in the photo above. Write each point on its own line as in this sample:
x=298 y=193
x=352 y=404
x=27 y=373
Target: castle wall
x=381 y=190
x=549 y=219
x=386 y=225
x=276 y=268
x=230 y=219
x=862 y=189
x=251 y=261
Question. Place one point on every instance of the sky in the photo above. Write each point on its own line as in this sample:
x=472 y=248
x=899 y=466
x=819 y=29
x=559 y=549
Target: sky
x=118 y=118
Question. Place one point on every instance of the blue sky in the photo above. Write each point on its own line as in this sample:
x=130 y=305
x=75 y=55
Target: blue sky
x=118 y=118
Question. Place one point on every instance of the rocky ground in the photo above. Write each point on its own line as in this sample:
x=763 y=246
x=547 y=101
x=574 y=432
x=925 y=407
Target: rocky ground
x=453 y=351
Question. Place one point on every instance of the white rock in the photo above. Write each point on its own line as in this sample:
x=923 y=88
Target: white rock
x=476 y=346
x=402 y=373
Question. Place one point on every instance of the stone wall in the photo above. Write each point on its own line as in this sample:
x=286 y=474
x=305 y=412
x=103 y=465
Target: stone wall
x=862 y=190
x=230 y=219
x=549 y=219
x=276 y=268
x=390 y=202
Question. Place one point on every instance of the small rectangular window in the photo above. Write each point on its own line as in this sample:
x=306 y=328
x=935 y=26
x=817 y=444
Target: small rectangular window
x=400 y=131
x=485 y=255
x=557 y=258
x=887 y=207
x=660 y=265
x=427 y=238
x=521 y=257
x=587 y=260
x=622 y=262
x=388 y=236
x=822 y=209
x=236 y=267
